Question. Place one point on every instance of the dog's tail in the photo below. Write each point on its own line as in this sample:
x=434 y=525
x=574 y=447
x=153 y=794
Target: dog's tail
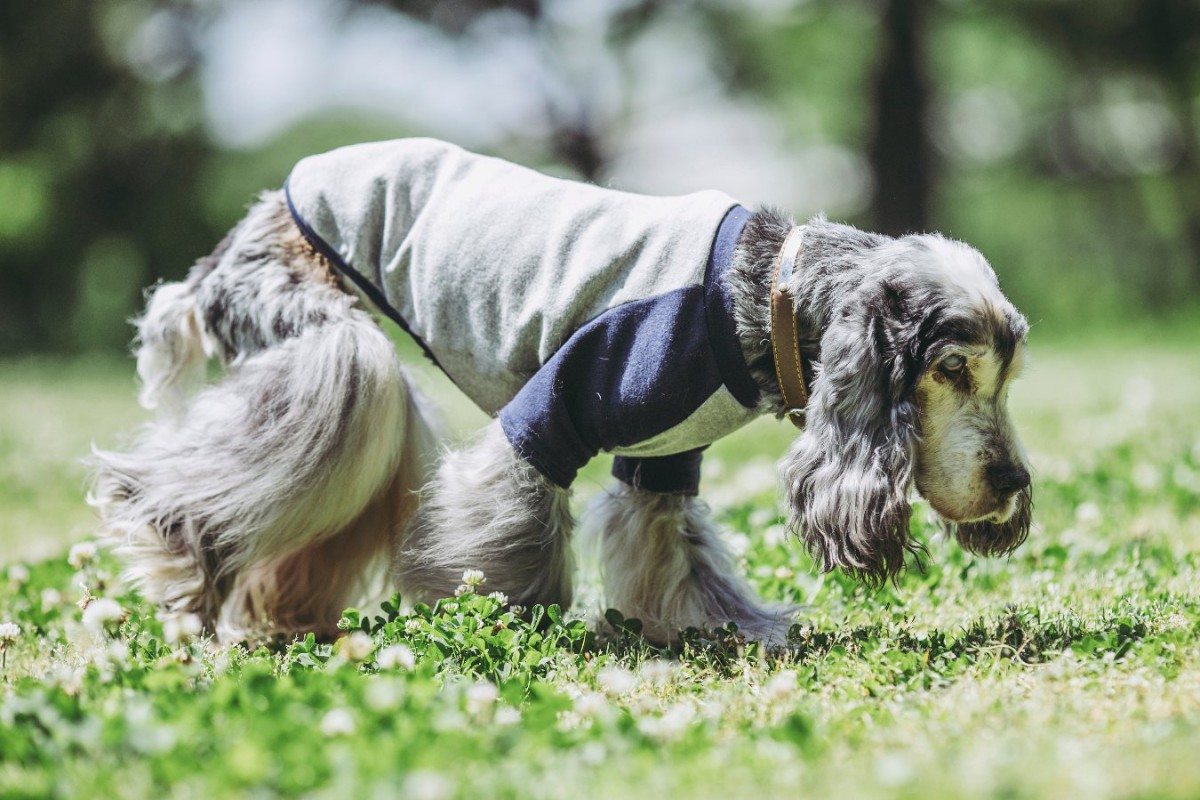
x=171 y=352
x=173 y=344
x=263 y=505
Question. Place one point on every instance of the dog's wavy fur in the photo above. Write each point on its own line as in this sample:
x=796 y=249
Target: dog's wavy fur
x=873 y=312
x=306 y=474
x=664 y=563
x=269 y=499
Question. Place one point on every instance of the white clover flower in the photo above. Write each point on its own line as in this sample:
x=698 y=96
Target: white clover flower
x=1175 y=621
x=383 y=695
x=616 y=680
x=461 y=589
x=449 y=608
x=499 y=597
x=51 y=598
x=396 y=655
x=670 y=725
x=117 y=654
x=9 y=632
x=82 y=554
x=1186 y=478
x=356 y=646
x=223 y=660
x=412 y=626
x=894 y=769
x=100 y=613
x=507 y=716
x=760 y=517
x=656 y=671
x=337 y=722
x=780 y=685
x=775 y=535
x=425 y=785
x=18 y=574
x=481 y=696
x=474 y=578
x=739 y=543
x=181 y=628
x=1146 y=476
x=593 y=753
x=67 y=678
x=783 y=572
x=589 y=704
x=1088 y=514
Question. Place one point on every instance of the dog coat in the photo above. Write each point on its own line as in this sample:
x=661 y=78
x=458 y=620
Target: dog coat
x=588 y=319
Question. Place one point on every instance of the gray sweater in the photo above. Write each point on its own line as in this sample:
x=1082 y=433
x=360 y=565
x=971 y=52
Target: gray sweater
x=588 y=319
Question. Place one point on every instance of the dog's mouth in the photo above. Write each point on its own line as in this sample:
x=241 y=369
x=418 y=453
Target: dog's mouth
x=1007 y=508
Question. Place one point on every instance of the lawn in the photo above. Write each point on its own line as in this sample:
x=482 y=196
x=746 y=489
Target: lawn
x=1071 y=669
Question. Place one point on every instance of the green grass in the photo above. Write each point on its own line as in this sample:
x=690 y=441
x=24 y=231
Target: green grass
x=1071 y=669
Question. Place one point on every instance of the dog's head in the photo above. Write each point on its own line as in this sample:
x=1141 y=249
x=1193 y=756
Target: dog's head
x=912 y=389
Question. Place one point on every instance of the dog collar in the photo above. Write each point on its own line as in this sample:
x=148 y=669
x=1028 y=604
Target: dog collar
x=785 y=339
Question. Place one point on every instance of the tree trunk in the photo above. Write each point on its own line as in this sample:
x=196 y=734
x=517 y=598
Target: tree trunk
x=900 y=152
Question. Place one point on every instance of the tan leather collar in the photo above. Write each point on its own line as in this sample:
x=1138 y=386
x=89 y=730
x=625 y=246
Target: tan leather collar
x=785 y=340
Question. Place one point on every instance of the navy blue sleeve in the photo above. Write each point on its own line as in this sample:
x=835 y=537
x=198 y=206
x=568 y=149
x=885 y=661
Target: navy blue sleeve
x=629 y=374
x=632 y=373
x=676 y=474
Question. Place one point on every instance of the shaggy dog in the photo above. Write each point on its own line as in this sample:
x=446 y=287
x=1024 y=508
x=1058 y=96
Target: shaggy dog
x=585 y=319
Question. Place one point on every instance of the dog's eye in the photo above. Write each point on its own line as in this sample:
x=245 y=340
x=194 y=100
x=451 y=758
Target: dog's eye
x=952 y=365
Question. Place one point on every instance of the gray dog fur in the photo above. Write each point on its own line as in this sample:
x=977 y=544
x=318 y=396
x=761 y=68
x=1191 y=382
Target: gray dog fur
x=310 y=473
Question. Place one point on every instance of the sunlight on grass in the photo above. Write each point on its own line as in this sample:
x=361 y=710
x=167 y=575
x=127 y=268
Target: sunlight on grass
x=1071 y=669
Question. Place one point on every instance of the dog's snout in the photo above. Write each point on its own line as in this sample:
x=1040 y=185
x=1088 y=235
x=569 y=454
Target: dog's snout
x=1007 y=477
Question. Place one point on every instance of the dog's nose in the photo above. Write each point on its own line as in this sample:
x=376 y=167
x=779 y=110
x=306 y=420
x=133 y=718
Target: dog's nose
x=1007 y=477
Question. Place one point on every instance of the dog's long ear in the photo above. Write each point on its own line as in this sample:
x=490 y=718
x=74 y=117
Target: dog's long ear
x=847 y=476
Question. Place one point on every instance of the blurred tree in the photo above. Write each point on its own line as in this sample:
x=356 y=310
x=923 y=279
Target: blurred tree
x=575 y=137
x=1154 y=40
x=882 y=88
x=900 y=150
x=98 y=167
x=1028 y=145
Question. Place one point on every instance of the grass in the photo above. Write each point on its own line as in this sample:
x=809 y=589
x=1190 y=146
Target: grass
x=1071 y=669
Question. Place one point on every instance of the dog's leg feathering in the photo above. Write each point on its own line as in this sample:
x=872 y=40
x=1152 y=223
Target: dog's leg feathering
x=287 y=451
x=488 y=509
x=664 y=563
x=224 y=510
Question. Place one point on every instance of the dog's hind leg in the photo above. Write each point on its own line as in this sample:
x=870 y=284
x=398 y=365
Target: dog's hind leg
x=490 y=510
x=663 y=562
x=286 y=452
x=308 y=588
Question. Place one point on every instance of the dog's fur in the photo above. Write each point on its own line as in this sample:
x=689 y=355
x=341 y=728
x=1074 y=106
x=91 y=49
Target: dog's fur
x=267 y=501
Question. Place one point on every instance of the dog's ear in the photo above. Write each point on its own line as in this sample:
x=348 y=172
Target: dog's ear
x=847 y=476
x=997 y=538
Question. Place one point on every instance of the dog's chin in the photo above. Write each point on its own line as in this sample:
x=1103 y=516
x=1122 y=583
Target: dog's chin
x=998 y=532
x=995 y=512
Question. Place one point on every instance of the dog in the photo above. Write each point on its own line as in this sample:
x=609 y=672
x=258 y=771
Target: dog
x=583 y=319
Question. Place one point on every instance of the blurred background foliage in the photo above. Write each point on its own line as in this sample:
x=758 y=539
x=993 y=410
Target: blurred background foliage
x=1058 y=136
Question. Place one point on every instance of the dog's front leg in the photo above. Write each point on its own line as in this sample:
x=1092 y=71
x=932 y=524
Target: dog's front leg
x=489 y=509
x=664 y=563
